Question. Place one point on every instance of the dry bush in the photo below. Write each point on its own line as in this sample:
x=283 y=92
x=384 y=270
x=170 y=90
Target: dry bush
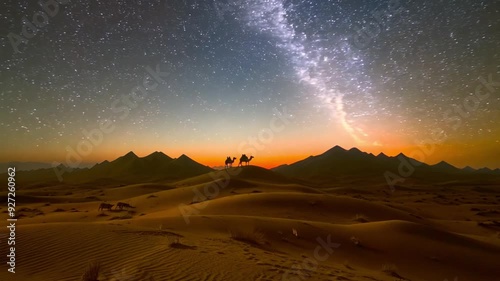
x=489 y=224
x=392 y=270
x=355 y=241
x=249 y=236
x=92 y=272
x=360 y=218
x=34 y=211
x=124 y=217
x=59 y=210
x=174 y=242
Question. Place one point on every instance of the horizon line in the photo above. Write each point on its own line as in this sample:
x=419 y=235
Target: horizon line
x=91 y=164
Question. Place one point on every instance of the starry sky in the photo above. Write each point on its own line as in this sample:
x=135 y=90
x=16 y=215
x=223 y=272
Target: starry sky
x=277 y=79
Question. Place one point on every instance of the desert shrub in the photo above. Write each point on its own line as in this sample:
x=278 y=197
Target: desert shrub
x=489 y=224
x=360 y=218
x=389 y=268
x=249 y=236
x=124 y=217
x=355 y=241
x=174 y=242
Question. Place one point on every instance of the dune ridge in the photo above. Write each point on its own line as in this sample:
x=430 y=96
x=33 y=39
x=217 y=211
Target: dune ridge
x=257 y=224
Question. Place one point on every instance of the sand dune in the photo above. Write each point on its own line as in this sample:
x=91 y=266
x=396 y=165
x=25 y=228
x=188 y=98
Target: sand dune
x=258 y=226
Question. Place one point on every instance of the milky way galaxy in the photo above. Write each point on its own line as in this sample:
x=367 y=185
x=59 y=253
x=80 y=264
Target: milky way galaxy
x=324 y=68
x=383 y=76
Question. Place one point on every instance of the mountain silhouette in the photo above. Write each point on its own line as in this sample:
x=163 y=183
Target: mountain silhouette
x=155 y=166
x=334 y=165
x=331 y=164
x=157 y=157
x=24 y=166
x=182 y=167
x=128 y=168
x=338 y=163
x=444 y=167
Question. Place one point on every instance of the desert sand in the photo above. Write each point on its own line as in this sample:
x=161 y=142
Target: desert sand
x=258 y=225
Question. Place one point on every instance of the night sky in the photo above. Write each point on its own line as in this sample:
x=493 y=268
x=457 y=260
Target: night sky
x=277 y=79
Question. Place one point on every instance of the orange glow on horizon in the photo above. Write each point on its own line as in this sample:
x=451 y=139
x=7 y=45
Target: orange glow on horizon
x=278 y=153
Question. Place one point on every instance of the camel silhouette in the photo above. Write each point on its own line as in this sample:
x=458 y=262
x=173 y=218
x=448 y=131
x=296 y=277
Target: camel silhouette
x=229 y=162
x=245 y=159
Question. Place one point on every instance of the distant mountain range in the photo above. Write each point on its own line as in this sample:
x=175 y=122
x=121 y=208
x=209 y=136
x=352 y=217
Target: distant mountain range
x=156 y=166
x=128 y=168
x=27 y=166
x=339 y=162
x=335 y=164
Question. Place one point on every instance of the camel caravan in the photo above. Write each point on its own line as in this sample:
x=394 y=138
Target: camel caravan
x=243 y=159
x=119 y=205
